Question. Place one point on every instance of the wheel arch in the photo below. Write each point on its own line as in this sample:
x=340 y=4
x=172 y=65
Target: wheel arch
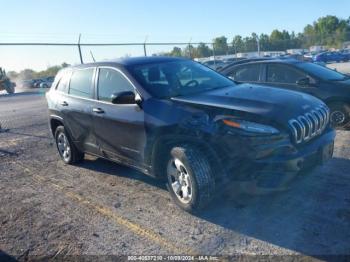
x=334 y=100
x=163 y=145
x=55 y=121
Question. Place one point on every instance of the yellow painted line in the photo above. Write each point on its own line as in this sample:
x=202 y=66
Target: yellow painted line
x=132 y=226
x=10 y=143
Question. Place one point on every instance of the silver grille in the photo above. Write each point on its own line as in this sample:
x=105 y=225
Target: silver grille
x=309 y=125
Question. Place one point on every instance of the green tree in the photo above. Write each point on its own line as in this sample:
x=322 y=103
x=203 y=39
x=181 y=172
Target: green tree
x=264 y=42
x=12 y=74
x=238 y=44
x=26 y=74
x=329 y=31
x=202 y=50
x=176 y=51
x=220 y=45
x=250 y=43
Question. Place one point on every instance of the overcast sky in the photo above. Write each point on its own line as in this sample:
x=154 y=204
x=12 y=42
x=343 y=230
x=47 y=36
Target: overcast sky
x=132 y=21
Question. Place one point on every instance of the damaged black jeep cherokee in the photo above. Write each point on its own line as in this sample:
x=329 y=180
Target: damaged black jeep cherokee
x=182 y=122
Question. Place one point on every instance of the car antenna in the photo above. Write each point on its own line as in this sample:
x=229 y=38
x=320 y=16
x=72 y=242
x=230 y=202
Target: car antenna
x=92 y=55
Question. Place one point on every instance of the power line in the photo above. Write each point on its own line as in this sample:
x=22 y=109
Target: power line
x=98 y=44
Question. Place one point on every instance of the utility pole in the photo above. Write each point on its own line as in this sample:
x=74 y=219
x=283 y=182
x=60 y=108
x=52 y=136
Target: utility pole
x=92 y=56
x=258 y=43
x=189 y=48
x=213 y=44
x=79 y=48
x=144 y=46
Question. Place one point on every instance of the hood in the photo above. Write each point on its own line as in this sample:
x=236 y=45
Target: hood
x=273 y=104
x=339 y=88
x=345 y=83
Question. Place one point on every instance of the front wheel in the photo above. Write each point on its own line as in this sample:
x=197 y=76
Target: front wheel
x=190 y=178
x=340 y=114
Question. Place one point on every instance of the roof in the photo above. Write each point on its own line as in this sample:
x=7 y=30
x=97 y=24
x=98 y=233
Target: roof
x=262 y=60
x=130 y=61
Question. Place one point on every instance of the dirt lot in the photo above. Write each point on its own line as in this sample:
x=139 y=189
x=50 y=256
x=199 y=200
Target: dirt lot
x=341 y=67
x=100 y=208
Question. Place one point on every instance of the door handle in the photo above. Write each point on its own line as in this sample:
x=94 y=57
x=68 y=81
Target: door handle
x=64 y=103
x=98 y=110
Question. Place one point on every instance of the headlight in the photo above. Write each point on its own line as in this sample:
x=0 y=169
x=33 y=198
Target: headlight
x=250 y=126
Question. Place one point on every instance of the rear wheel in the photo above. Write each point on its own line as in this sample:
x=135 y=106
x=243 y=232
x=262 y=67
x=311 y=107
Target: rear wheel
x=67 y=150
x=340 y=114
x=190 y=178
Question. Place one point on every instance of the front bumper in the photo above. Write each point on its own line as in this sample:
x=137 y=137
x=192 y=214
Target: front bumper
x=277 y=169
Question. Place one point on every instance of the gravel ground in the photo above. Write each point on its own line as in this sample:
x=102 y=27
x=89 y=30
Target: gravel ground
x=341 y=67
x=101 y=208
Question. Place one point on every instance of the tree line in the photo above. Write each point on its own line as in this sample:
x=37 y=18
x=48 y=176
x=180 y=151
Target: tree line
x=31 y=74
x=329 y=31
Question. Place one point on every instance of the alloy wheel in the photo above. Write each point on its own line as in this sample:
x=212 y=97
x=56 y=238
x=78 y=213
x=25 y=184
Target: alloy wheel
x=181 y=182
x=337 y=117
x=63 y=146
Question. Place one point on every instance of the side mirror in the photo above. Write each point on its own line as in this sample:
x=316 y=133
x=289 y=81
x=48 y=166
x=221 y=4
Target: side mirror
x=125 y=97
x=138 y=99
x=303 y=81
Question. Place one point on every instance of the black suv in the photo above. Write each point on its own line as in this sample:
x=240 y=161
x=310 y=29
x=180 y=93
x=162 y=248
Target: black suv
x=180 y=121
x=332 y=87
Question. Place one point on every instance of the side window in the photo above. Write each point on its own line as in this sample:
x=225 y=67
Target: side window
x=63 y=82
x=246 y=73
x=110 y=82
x=81 y=82
x=277 y=73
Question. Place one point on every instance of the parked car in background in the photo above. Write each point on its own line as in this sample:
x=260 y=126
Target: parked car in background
x=300 y=57
x=27 y=84
x=243 y=61
x=178 y=121
x=37 y=82
x=328 y=57
x=214 y=64
x=234 y=59
x=309 y=56
x=47 y=82
x=328 y=85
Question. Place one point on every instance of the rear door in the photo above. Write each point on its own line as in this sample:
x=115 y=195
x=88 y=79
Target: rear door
x=119 y=128
x=76 y=108
x=250 y=73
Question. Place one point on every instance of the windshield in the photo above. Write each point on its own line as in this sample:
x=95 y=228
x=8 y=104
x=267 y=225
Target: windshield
x=322 y=72
x=169 y=79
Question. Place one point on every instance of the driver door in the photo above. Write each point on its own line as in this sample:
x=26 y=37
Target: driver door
x=119 y=128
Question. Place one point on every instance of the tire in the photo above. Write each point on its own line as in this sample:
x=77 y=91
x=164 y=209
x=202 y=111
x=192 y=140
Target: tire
x=196 y=175
x=10 y=89
x=66 y=148
x=340 y=114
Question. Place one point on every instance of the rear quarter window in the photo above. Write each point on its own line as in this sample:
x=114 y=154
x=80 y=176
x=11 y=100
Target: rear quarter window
x=63 y=81
x=81 y=83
